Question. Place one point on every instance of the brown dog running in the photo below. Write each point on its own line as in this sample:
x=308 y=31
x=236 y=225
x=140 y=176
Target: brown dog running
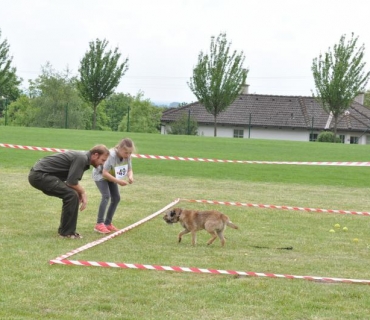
x=214 y=222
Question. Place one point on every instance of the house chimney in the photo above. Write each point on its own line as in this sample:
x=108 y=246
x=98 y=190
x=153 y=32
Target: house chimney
x=245 y=87
x=360 y=98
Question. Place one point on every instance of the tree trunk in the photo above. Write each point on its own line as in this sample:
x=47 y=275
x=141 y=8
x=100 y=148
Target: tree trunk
x=94 y=118
x=215 y=127
x=335 y=128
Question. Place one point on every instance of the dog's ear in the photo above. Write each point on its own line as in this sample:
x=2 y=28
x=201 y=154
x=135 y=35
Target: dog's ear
x=175 y=212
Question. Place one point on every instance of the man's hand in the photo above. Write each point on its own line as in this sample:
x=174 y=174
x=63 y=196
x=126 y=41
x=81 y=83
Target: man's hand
x=81 y=194
x=83 y=201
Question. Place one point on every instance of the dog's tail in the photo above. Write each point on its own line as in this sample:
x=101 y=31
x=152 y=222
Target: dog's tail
x=230 y=224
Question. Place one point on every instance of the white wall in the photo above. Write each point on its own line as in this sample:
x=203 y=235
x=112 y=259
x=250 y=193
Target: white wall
x=208 y=131
x=361 y=139
x=257 y=133
x=278 y=134
x=272 y=134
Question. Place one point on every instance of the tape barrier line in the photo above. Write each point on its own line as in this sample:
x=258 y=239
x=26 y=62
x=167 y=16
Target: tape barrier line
x=314 y=163
x=157 y=157
x=15 y=146
x=228 y=203
x=63 y=261
x=115 y=234
x=268 y=206
x=208 y=271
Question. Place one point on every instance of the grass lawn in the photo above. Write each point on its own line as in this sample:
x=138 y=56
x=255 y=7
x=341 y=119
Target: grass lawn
x=33 y=289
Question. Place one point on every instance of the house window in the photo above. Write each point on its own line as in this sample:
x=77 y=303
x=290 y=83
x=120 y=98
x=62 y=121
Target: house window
x=238 y=133
x=342 y=138
x=313 y=136
x=353 y=140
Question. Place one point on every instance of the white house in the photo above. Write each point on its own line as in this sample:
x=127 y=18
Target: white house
x=293 y=118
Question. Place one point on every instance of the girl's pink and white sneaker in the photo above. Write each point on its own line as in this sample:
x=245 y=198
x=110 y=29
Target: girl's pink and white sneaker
x=111 y=227
x=101 y=228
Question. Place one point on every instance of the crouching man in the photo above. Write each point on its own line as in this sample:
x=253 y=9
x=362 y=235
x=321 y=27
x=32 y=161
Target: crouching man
x=58 y=175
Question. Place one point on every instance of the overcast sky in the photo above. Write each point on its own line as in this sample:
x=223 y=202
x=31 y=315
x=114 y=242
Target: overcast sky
x=162 y=38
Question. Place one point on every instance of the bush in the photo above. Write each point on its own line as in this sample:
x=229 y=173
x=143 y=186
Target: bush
x=184 y=125
x=327 y=136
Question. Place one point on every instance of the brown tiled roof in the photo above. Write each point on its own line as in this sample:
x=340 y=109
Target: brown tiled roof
x=274 y=111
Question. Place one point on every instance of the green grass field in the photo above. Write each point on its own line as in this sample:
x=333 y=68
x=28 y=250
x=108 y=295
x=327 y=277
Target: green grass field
x=33 y=289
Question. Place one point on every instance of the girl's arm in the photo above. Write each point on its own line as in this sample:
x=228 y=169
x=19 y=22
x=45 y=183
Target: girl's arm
x=109 y=177
x=130 y=176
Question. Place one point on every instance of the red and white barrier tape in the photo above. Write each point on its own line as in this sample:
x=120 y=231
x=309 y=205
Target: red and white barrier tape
x=263 y=206
x=202 y=270
x=15 y=146
x=115 y=234
x=147 y=156
x=62 y=259
x=268 y=206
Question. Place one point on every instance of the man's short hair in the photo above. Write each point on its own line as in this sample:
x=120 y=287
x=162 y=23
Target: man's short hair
x=99 y=149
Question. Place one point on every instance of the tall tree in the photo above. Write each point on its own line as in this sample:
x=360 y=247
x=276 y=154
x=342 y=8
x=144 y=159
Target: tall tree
x=218 y=77
x=9 y=81
x=339 y=77
x=100 y=73
x=57 y=102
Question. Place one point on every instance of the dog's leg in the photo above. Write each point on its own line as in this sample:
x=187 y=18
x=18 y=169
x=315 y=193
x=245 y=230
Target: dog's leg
x=182 y=233
x=221 y=236
x=193 y=238
x=214 y=236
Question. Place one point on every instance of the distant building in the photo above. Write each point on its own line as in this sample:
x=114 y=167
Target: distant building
x=276 y=117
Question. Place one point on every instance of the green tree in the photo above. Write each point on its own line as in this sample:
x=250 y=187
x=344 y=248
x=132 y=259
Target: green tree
x=100 y=73
x=116 y=107
x=144 y=116
x=21 y=112
x=9 y=82
x=56 y=101
x=339 y=76
x=102 y=119
x=218 y=77
x=184 y=125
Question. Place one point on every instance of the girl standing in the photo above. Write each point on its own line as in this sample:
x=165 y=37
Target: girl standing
x=117 y=170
